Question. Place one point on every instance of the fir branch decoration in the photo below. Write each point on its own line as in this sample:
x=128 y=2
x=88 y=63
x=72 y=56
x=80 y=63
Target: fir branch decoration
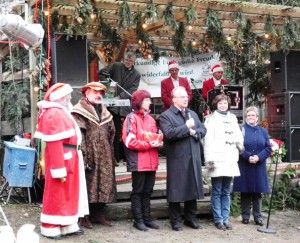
x=124 y=15
x=155 y=52
x=290 y=35
x=178 y=40
x=241 y=24
x=269 y=27
x=168 y=16
x=151 y=12
x=83 y=11
x=191 y=14
x=140 y=32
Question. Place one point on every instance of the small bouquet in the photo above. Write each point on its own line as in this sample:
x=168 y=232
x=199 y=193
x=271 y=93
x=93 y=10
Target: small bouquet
x=278 y=150
x=152 y=137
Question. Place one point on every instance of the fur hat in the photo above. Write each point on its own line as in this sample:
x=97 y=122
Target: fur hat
x=173 y=64
x=216 y=68
x=57 y=91
x=95 y=86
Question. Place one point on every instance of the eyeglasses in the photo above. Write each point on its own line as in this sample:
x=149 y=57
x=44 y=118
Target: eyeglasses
x=173 y=70
x=250 y=115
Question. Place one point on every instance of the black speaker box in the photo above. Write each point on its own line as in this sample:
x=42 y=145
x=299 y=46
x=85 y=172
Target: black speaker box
x=291 y=138
x=283 y=108
x=285 y=71
x=69 y=60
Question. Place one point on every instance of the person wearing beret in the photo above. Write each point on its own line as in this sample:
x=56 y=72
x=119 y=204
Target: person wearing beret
x=98 y=131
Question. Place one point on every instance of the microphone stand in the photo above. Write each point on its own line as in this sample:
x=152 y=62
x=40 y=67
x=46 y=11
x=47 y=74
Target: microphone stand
x=267 y=229
x=206 y=106
x=119 y=86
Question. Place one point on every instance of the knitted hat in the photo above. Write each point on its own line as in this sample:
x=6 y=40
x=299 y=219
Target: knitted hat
x=58 y=91
x=173 y=64
x=216 y=68
x=94 y=86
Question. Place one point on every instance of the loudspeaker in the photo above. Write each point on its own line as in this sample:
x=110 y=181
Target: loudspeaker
x=291 y=138
x=283 y=108
x=285 y=71
x=69 y=60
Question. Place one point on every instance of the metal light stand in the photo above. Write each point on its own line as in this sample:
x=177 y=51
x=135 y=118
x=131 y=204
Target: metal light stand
x=267 y=229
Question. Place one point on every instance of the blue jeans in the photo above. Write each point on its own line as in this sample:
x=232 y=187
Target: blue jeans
x=220 y=198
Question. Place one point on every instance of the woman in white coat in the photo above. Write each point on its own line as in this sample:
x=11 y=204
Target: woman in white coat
x=221 y=155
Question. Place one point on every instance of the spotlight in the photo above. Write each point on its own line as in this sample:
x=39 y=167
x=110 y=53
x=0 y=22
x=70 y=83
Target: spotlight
x=15 y=27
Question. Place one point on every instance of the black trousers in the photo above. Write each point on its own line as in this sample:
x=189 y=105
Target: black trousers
x=190 y=211
x=143 y=182
x=118 y=144
x=256 y=200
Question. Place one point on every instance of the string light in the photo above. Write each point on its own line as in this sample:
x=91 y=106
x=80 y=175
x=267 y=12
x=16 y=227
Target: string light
x=267 y=36
x=144 y=25
x=46 y=13
x=193 y=42
x=36 y=89
x=93 y=16
x=190 y=27
x=140 y=41
x=229 y=38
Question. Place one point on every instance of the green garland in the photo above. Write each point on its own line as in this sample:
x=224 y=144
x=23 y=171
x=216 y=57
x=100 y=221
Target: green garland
x=124 y=15
x=140 y=32
x=168 y=16
x=178 y=40
x=191 y=14
x=151 y=11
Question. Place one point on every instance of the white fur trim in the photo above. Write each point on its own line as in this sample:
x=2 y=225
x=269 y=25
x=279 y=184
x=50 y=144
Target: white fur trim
x=62 y=220
x=50 y=232
x=55 y=137
x=68 y=155
x=174 y=65
x=60 y=92
x=58 y=173
x=69 y=229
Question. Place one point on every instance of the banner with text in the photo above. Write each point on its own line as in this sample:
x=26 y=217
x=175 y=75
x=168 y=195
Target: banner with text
x=195 y=69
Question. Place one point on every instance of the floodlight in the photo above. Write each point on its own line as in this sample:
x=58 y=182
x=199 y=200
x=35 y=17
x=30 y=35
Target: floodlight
x=14 y=26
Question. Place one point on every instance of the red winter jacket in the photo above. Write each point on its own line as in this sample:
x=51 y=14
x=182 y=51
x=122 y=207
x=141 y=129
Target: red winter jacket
x=140 y=156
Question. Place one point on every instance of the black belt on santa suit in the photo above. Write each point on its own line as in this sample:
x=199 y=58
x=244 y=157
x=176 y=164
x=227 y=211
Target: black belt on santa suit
x=72 y=146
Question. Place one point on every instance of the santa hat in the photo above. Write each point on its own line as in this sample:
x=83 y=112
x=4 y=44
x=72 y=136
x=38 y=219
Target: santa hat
x=173 y=64
x=95 y=86
x=58 y=91
x=216 y=68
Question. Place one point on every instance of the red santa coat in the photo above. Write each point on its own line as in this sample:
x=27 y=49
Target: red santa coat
x=166 y=89
x=209 y=85
x=63 y=202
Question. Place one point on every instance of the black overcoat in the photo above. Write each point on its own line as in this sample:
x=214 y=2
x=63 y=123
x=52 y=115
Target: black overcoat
x=184 y=174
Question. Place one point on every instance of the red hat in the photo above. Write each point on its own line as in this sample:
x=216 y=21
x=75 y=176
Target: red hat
x=58 y=91
x=216 y=68
x=95 y=86
x=173 y=64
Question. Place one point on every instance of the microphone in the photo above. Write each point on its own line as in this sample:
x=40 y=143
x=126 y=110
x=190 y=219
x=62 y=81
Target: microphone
x=192 y=80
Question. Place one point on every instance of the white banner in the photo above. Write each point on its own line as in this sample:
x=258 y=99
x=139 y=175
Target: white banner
x=196 y=68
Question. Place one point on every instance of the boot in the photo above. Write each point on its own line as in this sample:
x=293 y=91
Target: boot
x=98 y=217
x=136 y=208
x=148 y=220
x=85 y=222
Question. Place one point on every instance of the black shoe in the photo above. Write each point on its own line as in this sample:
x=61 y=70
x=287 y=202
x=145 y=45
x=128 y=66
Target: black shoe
x=140 y=226
x=78 y=232
x=227 y=226
x=220 y=226
x=176 y=226
x=259 y=222
x=193 y=224
x=57 y=237
x=151 y=225
x=245 y=221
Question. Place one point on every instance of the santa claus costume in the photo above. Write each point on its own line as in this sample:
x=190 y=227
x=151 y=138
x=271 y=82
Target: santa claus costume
x=65 y=195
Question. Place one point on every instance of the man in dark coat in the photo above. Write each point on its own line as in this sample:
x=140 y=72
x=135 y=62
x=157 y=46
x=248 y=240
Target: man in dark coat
x=183 y=131
x=128 y=78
